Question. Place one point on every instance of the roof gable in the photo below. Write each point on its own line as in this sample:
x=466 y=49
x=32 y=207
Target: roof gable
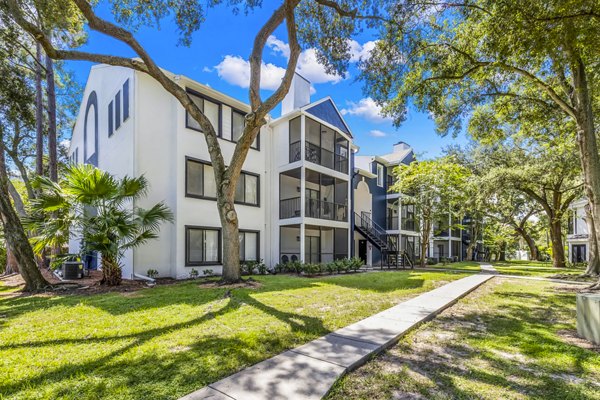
x=327 y=111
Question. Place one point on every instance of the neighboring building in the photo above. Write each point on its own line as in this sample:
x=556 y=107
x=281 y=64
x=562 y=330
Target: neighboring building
x=447 y=240
x=577 y=232
x=377 y=207
x=301 y=164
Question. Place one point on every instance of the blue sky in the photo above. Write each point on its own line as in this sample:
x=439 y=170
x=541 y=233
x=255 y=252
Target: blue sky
x=218 y=55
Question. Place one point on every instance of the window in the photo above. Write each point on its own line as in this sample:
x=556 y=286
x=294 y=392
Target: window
x=246 y=191
x=199 y=180
x=202 y=246
x=379 y=175
x=117 y=110
x=200 y=183
x=211 y=109
x=238 y=122
x=249 y=245
x=126 y=100
x=110 y=119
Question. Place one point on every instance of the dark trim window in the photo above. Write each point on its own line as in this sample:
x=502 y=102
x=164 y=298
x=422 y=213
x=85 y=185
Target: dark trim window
x=238 y=122
x=118 y=110
x=110 y=119
x=199 y=179
x=210 y=108
x=380 y=173
x=200 y=183
x=249 y=245
x=202 y=245
x=247 y=190
x=126 y=100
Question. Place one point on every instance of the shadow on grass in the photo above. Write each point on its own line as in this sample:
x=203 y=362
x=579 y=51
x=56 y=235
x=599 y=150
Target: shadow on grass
x=108 y=366
x=487 y=354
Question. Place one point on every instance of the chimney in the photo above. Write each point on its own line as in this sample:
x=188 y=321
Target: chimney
x=400 y=147
x=298 y=96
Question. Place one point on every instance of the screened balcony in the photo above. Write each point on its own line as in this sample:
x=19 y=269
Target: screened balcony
x=326 y=197
x=323 y=146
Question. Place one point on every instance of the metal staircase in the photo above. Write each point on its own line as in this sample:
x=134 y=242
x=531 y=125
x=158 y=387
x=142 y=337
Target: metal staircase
x=378 y=237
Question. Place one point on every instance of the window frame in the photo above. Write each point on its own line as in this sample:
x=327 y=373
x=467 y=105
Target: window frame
x=204 y=197
x=125 y=101
x=244 y=231
x=188 y=262
x=219 y=128
x=380 y=176
x=111 y=116
x=243 y=114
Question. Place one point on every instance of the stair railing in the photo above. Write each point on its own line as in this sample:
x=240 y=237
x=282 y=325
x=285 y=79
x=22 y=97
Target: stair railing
x=367 y=224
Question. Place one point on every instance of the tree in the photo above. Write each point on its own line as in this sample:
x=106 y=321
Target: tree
x=316 y=17
x=100 y=208
x=436 y=188
x=466 y=55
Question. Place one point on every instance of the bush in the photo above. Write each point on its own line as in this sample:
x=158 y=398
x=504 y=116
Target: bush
x=355 y=264
x=208 y=272
x=312 y=269
x=331 y=267
x=152 y=273
x=193 y=273
x=247 y=268
x=261 y=267
x=431 y=261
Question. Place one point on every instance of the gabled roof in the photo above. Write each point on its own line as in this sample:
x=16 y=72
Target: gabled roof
x=326 y=110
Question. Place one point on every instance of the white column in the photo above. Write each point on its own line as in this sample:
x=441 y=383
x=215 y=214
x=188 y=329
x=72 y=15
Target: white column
x=302 y=184
x=302 y=234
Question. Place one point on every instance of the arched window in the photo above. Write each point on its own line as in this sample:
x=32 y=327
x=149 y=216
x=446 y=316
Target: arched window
x=90 y=131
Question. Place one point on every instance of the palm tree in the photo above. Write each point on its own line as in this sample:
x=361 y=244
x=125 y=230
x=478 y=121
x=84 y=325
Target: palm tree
x=99 y=208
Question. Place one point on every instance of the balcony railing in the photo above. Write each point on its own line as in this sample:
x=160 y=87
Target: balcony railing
x=289 y=208
x=319 y=155
x=326 y=210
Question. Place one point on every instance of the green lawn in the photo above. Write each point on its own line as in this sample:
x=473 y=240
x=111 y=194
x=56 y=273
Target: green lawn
x=467 y=266
x=507 y=340
x=164 y=342
x=533 y=268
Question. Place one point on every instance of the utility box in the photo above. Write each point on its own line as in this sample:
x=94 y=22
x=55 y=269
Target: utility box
x=588 y=316
x=72 y=270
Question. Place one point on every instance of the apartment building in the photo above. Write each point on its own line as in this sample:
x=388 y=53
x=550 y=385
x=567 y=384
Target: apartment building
x=577 y=232
x=300 y=165
x=382 y=213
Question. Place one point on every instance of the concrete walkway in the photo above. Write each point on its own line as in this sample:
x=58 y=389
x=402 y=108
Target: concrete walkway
x=488 y=269
x=309 y=371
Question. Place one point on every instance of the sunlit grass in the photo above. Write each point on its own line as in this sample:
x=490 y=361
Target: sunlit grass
x=467 y=266
x=534 y=268
x=164 y=342
x=508 y=340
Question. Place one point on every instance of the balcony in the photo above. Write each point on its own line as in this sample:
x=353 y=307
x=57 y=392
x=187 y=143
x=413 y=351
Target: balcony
x=320 y=156
x=321 y=244
x=290 y=208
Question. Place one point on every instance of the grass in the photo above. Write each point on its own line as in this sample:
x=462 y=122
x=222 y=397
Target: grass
x=466 y=266
x=165 y=342
x=508 y=340
x=534 y=268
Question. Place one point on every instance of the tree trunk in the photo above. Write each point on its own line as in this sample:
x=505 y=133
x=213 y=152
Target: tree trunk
x=425 y=232
x=502 y=253
x=587 y=142
x=533 y=249
x=111 y=271
x=51 y=94
x=12 y=266
x=231 y=237
x=558 y=248
x=15 y=236
x=39 y=113
x=593 y=267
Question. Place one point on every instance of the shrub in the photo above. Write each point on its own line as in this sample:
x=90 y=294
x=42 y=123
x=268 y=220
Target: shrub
x=295 y=266
x=261 y=267
x=355 y=264
x=279 y=268
x=152 y=273
x=341 y=265
x=431 y=261
x=312 y=269
x=208 y=272
x=331 y=267
x=248 y=267
x=193 y=273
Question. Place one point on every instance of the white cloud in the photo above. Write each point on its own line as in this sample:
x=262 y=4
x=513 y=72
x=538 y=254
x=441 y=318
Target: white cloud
x=278 y=46
x=236 y=71
x=377 y=133
x=207 y=69
x=360 y=52
x=366 y=108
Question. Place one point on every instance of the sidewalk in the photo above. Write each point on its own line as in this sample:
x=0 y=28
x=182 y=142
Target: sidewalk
x=309 y=371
